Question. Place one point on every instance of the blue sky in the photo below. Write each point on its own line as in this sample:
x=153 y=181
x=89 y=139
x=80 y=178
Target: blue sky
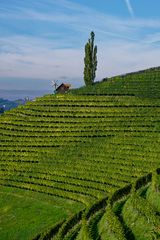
x=43 y=40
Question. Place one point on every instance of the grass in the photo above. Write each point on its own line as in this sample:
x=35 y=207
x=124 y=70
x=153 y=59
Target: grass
x=139 y=215
x=143 y=84
x=153 y=195
x=27 y=214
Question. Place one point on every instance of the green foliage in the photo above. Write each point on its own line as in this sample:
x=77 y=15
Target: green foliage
x=84 y=232
x=155 y=182
x=141 y=218
x=79 y=150
x=50 y=232
x=144 y=84
x=110 y=227
x=93 y=224
x=73 y=232
x=90 y=61
x=68 y=226
x=153 y=193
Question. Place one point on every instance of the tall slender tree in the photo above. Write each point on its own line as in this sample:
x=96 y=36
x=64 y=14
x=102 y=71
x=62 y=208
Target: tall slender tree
x=90 y=61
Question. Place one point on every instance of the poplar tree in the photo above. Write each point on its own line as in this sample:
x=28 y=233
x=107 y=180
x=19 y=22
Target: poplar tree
x=90 y=61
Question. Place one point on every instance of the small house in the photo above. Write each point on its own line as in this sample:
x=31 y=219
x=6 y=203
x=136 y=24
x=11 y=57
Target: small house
x=63 y=88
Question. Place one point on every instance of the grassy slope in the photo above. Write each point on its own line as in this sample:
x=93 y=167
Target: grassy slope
x=141 y=212
x=96 y=176
x=25 y=214
x=77 y=147
x=142 y=84
x=19 y=212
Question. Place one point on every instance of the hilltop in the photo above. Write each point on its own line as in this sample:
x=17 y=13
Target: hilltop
x=144 y=83
x=83 y=165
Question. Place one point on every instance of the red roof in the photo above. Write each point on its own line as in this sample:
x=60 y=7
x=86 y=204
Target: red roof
x=64 y=86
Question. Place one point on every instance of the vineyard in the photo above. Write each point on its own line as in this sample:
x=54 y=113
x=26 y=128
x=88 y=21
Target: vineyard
x=78 y=166
x=144 y=83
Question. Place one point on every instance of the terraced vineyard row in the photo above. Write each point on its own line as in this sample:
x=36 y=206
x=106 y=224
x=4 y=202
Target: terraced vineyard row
x=130 y=213
x=142 y=84
x=78 y=149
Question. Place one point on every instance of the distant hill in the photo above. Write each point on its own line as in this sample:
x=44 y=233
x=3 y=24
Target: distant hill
x=13 y=94
x=145 y=83
x=6 y=104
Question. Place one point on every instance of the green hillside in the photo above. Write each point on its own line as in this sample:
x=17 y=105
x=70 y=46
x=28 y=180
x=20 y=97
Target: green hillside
x=75 y=166
x=144 y=83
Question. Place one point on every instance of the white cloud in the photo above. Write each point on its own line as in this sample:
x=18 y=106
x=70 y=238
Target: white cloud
x=130 y=8
x=39 y=60
x=153 y=38
x=122 y=57
x=36 y=59
x=121 y=45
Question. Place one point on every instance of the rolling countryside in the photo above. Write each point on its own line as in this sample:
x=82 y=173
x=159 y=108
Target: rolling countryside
x=84 y=165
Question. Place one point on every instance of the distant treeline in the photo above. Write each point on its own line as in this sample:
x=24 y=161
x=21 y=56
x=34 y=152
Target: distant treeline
x=7 y=105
